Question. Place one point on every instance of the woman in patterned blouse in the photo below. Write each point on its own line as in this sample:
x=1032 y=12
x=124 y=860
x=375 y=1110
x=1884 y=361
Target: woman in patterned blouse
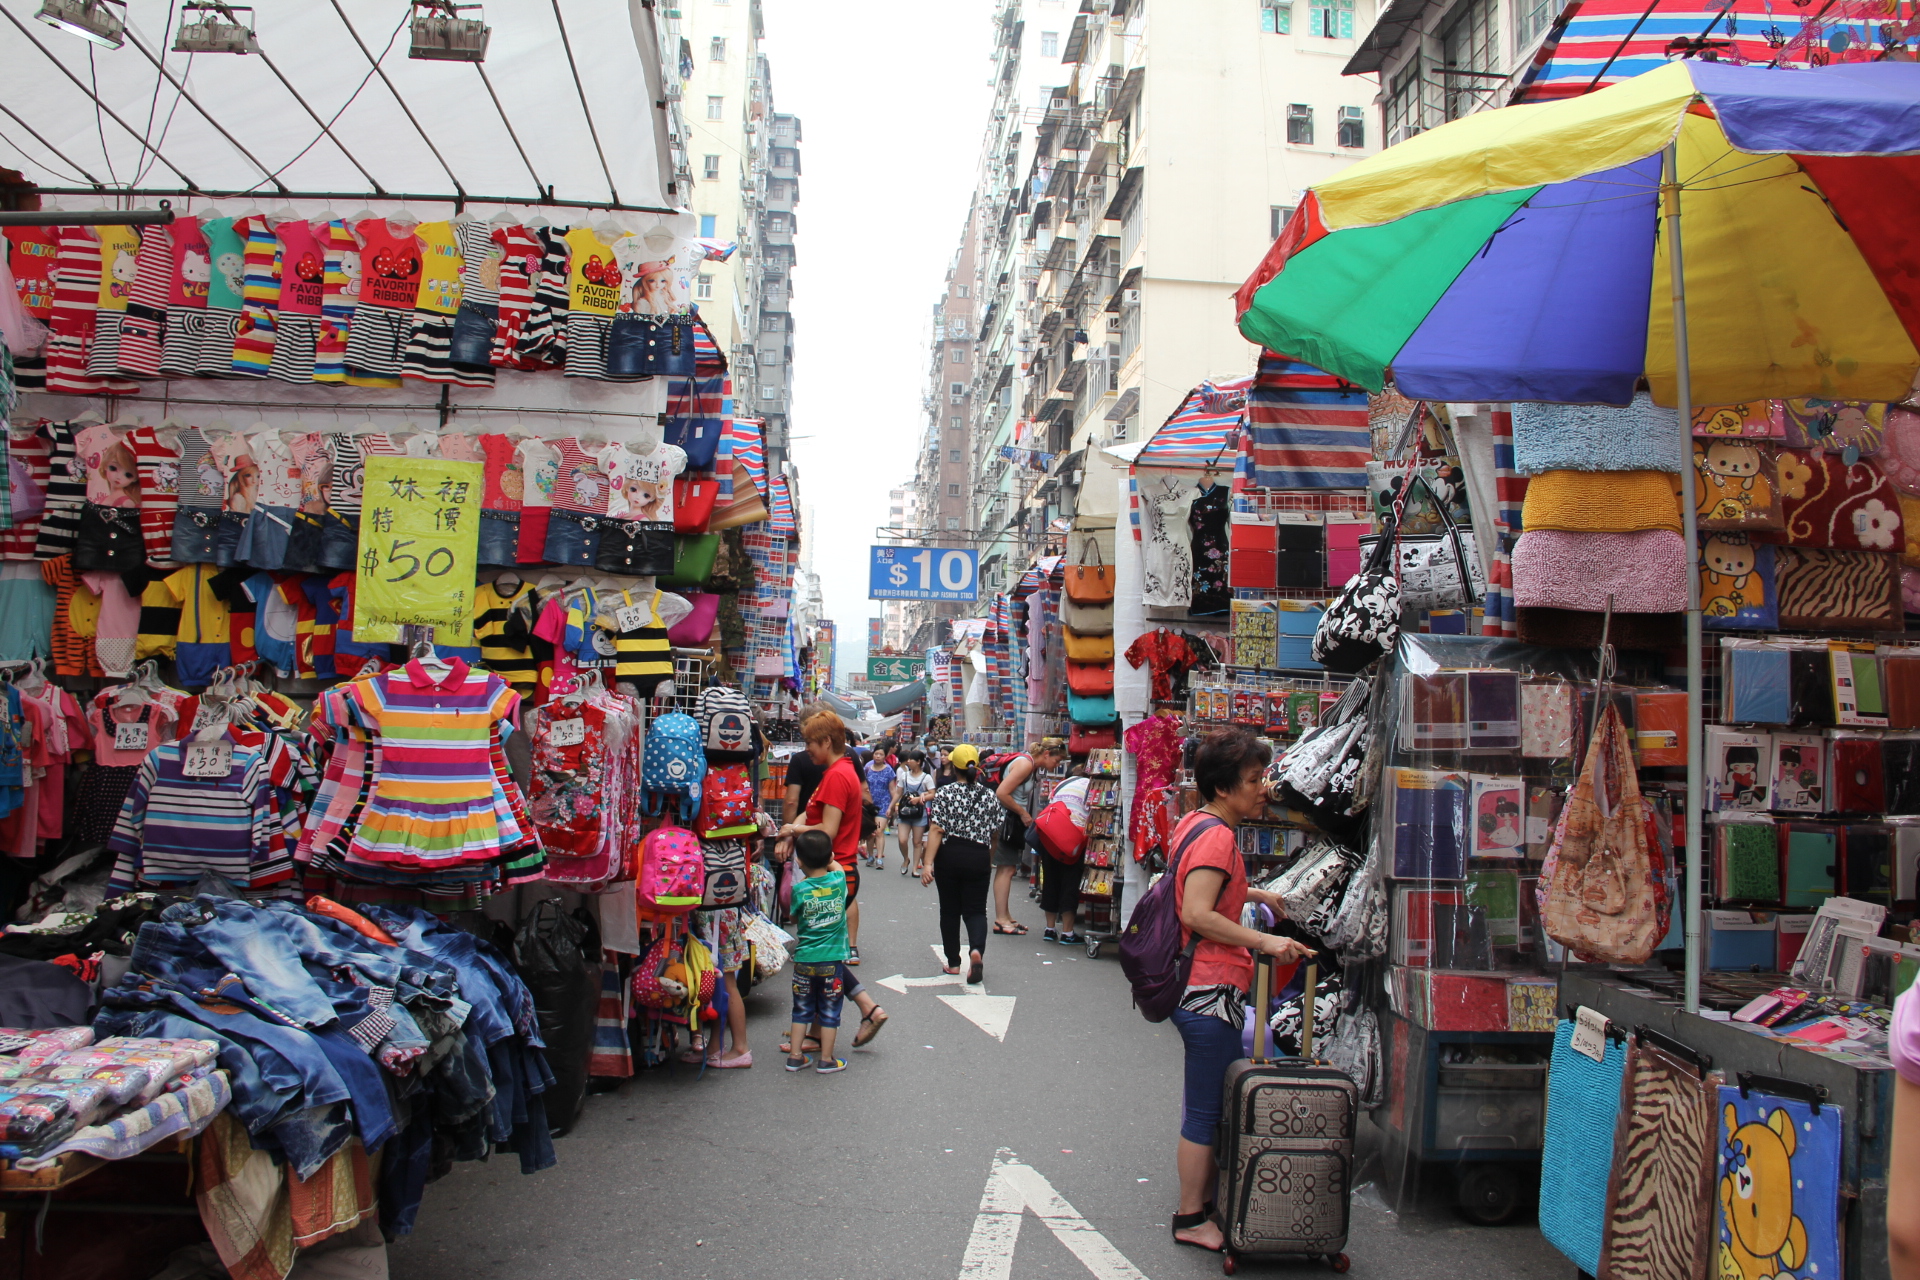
x=963 y=821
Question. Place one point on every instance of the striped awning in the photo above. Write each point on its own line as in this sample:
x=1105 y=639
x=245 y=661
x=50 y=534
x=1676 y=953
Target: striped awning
x=1204 y=431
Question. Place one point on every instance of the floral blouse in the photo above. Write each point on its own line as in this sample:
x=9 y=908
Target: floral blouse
x=1155 y=745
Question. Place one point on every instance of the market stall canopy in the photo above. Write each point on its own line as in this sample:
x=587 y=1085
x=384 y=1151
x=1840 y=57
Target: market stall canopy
x=569 y=105
x=1512 y=255
x=898 y=699
x=1203 y=432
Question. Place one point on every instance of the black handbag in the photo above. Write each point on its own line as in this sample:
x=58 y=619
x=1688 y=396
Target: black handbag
x=1435 y=570
x=1364 y=621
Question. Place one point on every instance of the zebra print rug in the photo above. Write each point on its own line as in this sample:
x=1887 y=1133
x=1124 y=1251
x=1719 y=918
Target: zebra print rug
x=1659 y=1219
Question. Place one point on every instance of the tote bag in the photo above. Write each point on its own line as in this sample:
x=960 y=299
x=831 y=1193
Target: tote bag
x=693 y=557
x=1599 y=870
x=1090 y=710
x=1084 y=738
x=694 y=418
x=693 y=499
x=1090 y=583
x=747 y=507
x=1093 y=679
x=1088 y=648
x=694 y=630
x=1087 y=619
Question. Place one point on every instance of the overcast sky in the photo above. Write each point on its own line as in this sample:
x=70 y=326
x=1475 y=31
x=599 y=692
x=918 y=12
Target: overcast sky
x=893 y=99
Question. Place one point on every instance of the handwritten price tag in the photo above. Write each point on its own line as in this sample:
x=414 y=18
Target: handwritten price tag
x=567 y=733
x=207 y=760
x=1590 y=1034
x=130 y=737
x=630 y=617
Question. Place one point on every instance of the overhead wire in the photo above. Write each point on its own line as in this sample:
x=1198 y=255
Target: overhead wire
x=134 y=39
x=89 y=178
x=153 y=103
x=398 y=99
x=326 y=127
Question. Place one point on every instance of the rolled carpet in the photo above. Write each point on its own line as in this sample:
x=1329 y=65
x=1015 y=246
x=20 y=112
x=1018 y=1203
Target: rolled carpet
x=1602 y=502
x=1596 y=437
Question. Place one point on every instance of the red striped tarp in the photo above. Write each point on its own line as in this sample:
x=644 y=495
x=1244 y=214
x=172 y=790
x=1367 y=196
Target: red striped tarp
x=1203 y=431
x=1309 y=429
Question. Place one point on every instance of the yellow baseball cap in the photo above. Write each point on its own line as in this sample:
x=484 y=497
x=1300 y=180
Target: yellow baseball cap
x=964 y=756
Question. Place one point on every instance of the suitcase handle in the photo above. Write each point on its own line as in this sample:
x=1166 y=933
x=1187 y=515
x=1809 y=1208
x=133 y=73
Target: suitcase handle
x=1263 y=1007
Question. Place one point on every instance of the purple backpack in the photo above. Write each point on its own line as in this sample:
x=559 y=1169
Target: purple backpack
x=1151 y=954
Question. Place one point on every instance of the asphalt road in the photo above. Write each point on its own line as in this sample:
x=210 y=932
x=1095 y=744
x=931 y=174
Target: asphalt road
x=878 y=1173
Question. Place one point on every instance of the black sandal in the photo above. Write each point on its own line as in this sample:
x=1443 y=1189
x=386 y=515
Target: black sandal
x=1187 y=1222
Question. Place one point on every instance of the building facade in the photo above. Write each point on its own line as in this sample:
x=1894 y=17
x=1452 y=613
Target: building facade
x=1438 y=60
x=1140 y=157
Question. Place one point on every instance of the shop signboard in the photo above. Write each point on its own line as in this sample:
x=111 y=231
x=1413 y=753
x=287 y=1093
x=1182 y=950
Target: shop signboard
x=924 y=573
x=419 y=546
x=882 y=669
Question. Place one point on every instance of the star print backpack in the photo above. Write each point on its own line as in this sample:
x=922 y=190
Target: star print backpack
x=726 y=803
x=673 y=766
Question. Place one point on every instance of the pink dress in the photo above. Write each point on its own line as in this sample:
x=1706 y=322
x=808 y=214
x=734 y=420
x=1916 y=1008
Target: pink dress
x=1155 y=746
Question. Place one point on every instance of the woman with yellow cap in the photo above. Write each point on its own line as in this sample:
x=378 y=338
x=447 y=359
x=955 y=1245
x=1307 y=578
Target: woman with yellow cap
x=963 y=819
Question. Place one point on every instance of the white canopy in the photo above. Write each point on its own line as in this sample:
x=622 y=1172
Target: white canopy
x=567 y=103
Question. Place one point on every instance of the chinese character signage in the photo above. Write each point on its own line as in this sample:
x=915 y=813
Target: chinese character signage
x=896 y=670
x=419 y=546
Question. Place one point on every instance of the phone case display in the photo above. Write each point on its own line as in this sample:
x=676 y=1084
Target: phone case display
x=1499 y=809
x=1799 y=773
x=1737 y=764
x=1809 y=863
x=1746 y=859
x=1546 y=719
x=1430 y=827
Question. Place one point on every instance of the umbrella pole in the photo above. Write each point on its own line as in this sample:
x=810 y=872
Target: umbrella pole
x=1683 y=393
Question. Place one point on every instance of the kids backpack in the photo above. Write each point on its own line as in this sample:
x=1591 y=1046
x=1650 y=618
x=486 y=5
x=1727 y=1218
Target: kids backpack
x=726 y=803
x=727 y=730
x=673 y=765
x=726 y=874
x=673 y=872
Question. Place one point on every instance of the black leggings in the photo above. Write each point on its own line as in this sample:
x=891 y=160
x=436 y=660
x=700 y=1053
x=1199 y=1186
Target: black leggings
x=1059 y=885
x=961 y=873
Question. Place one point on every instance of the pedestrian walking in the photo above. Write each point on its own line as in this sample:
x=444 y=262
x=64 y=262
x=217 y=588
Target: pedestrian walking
x=912 y=786
x=880 y=776
x=835 y=808
x=963 y=819
x=1210 y=892
x=1903 y=1169
x=1018 y=789
x=820 y=920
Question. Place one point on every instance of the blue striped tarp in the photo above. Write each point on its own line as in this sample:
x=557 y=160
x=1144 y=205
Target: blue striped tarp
x=1310 y=429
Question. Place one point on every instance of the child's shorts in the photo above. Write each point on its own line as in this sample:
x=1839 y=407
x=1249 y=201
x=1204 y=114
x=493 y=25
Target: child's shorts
x=816 y=994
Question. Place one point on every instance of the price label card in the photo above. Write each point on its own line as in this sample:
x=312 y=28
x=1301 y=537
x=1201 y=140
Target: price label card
x=206 y=715
x=207 y=759
x=630 y=617
x=1590 y=1034
x=130 y=737
x=567 y=733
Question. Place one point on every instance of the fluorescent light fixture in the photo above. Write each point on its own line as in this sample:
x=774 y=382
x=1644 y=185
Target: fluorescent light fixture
x=440 y=34
x=213 y=27
x=94 y=20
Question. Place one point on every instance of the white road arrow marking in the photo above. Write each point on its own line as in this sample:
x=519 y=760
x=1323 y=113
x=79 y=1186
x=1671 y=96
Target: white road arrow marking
x=992 y=1014
x=900 y=982
x=1012 y=1189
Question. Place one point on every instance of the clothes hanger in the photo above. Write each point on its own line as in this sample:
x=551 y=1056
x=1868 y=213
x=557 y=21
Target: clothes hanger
x=503 y=219
x=536 y=221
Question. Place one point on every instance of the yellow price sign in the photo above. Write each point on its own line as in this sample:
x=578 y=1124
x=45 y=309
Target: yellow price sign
x=419 y=549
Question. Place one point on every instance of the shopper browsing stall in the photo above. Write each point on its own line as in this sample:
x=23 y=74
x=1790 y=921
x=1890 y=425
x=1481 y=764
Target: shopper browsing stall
x=835 y=808
x=1058 y=838
x=1019 y=786
x=912 y=786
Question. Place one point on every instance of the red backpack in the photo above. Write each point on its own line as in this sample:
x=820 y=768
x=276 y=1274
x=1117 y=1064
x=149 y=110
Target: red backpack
x=993 y=768
x=726 y=803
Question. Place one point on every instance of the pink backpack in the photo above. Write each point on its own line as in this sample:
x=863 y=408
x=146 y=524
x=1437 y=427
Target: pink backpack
x=726 y=803
x=673 y=874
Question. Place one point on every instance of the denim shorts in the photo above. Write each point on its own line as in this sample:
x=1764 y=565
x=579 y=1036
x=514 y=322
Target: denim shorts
x=195 y=532
x=639 y=348
x=473 y=329
x=573 y=538
x=264 y=545
x=499 y=539
x=634 y=547
x=108 y=540
x=303 y=543
x=339 y=542
x=817 y=994
x=228 y=537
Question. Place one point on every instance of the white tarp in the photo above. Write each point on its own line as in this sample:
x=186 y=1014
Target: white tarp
x=166 y=143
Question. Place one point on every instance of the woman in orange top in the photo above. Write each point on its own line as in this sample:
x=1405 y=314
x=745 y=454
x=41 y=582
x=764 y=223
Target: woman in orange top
x=1210 y=893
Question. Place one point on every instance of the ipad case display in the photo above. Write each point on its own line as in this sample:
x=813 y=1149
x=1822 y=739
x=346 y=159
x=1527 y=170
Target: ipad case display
x=1430 y=828
x=1660 y=736
x=1546 y=720
x=1857 y=695
x=1809 y=862
x=1737 y=763
x=1859 y=778
x=1499 y=816
x=1869 y=862
x=1493 y=710
x=1799 y=773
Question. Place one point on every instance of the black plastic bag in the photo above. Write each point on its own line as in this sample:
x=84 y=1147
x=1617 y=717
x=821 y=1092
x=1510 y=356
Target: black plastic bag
x=558 y=955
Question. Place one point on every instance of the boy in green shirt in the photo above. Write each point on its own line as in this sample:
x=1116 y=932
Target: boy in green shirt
x=820 y=919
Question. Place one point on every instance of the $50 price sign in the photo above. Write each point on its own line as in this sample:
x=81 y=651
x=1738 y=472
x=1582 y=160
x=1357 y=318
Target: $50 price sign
x=419 y=545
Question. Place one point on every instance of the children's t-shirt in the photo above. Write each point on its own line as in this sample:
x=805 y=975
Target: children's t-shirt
x=656 y=269
x=389 y=263
x=239 y=473
x=641 y=484
x=280 y=480
x=540 y=472
x=227 y=274
x=192 y=265
x=440 y=265
x=480 y=262
x=303 y=269
x=505 y=481
x=582 y=484
x=30 y=256
x=593 y=277
x=119 y=254
x=113 y=474
x=820 y=917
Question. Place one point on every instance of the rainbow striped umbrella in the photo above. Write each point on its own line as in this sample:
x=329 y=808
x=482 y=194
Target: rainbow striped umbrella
x=1514 y=254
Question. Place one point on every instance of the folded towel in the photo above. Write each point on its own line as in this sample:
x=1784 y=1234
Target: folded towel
x=1644 y=572
x=1826 y=503
x=1596 y=437
x=1602 y=502
x=1736 y=485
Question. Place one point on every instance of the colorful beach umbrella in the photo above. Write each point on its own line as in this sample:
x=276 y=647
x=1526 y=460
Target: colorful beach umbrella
x=1515 y=254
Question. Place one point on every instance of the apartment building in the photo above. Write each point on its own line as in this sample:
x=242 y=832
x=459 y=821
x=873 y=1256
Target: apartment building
x=1438 y=60
x=1140 y=158
x=744 y=163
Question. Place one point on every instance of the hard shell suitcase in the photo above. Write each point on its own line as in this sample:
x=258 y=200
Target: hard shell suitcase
x=1285 y=1147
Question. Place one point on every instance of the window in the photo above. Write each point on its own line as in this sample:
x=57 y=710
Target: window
x=1276 y=17
x=769 y=393
x=703 y=290
x=961 y=290
x=710 y=167
x=956 y=392
x=953 y=522
x=959 y=355
x=769 y=356
x=707 y=222
x=716 y=106
x=953 y=455
x=1471 y=48
x=1353 y=127
x=956 y=424
x=717 y=49
x=1404 y=115
x=953 y=491
x=1049 y=44
x=1300 y=125
x=773 y=323
x=1277 y=219
x=1332 y=19
x=1530 y=18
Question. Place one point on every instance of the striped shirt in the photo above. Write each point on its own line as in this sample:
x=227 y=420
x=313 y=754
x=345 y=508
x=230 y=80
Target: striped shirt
x=253 y=349
x=174 y=829
x=201 y=486
x=66 y=493
x=509 y=652
x=433 y=801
